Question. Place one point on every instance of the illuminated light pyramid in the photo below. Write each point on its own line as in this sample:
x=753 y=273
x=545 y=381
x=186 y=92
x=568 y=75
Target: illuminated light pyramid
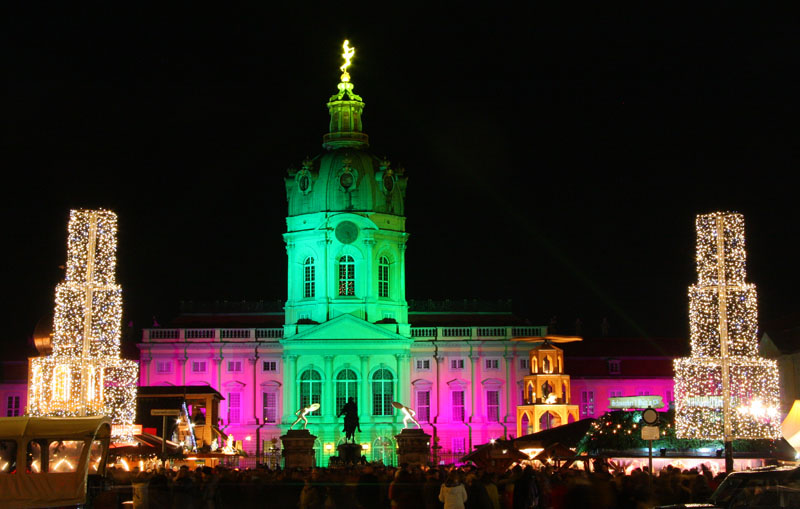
x=85 y=374
x=724 y=390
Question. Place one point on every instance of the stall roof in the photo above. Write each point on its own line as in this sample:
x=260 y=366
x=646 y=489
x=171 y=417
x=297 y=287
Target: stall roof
x=57 y=427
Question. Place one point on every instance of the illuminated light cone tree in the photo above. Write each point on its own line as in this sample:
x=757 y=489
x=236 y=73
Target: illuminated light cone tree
x=724 y=390
x=85 y=374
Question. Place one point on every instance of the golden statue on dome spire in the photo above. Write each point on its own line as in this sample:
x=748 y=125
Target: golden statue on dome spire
x=345 y=86
x=347 y=55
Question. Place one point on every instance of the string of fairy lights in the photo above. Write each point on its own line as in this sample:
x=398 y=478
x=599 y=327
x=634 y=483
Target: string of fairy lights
x=85 y=374
x=724 y=390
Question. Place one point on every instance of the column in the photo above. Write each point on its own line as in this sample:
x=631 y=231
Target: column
x=253 y=406
x=509 y=387
x=363 y=397
x=181 y=367
x=328 y=401
x=403 y=392
x=477 y=411
x=289 y=388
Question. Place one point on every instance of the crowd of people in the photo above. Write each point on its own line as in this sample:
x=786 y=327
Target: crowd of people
x=383 y=487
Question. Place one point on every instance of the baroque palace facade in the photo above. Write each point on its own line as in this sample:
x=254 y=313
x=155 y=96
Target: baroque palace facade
x=346 y=329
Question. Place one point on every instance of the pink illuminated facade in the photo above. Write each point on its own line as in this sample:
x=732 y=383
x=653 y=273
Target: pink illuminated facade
x=603 y=368
x=462 y=380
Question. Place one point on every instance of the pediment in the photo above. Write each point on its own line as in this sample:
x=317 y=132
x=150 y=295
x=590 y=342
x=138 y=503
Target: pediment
x=347 y=327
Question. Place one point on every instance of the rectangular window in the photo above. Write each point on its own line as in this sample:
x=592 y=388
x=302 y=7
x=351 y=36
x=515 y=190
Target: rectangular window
x=347 y=276
x=587 y=403
x=615 y=394
x=523 y=364
x=458 y=406
x=670 y=397
x=270 y=407
x=423 y=364
x=198 y=366
x=234 y=366
x=459 y=445
x=643 y=392
x=614 y=367
x=493 y=406
x=456 y=363
x=163 y=366
x=492 y=363
x=424 y=406
x=12 y=409
x=383 y=278
x=308 y=278
x=234 y=408
x=269 y=366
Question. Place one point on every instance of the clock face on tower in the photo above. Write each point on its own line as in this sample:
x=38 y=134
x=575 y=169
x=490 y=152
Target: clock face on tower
x=346 y=232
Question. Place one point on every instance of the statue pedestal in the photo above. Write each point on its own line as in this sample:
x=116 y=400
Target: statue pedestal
x=413 y=447
x=349 y=453
x=298 y=449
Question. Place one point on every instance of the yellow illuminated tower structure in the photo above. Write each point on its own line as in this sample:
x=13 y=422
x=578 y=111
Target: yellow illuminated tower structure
x=85 y=375
x=724 y=390
x=546 y=389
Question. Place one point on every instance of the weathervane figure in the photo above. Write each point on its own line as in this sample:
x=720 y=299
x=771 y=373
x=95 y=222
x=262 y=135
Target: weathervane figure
x=351 y=424
x=347 y=55
x=301 y=414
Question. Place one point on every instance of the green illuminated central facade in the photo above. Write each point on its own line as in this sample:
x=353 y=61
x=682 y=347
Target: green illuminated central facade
x=346 y=331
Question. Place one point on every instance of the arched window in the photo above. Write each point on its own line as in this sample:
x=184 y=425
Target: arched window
x=383 y=277
x=382 y=392
x=308 y=277
x=347 y=276
x=310 y=389
x=346 y=387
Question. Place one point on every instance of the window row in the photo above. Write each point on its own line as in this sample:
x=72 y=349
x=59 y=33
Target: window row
x=346 y=277
x=346 y=387
x=270 y=407
x=489 y=364
x=382 y=385
x=231 y=366
x=457 y=405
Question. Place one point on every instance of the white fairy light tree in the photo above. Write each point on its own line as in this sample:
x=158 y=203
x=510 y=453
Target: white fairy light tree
x=724 y=390
x=85 y=374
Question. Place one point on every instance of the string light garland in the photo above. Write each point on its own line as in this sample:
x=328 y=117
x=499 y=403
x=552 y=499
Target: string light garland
x=724 y=390
x=85 y=374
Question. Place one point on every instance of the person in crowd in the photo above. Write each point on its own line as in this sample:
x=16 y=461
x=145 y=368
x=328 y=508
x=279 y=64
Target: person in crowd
x=452 y=493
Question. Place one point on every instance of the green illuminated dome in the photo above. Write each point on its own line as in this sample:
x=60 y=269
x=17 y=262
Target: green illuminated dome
x=346 y=177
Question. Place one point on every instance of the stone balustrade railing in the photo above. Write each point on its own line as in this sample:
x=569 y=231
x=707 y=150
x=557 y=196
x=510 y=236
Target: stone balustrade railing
x=275 y=333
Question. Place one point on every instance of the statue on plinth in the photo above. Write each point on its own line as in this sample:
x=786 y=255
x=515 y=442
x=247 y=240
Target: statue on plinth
x=301 y=414
x=408 y=414
x=351 y=424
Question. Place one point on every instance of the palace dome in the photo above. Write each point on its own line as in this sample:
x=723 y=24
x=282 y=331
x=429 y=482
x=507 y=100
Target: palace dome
x=346 y=177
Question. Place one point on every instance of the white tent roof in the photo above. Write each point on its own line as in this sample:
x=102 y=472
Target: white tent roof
x=63 y=428
x=791 y=426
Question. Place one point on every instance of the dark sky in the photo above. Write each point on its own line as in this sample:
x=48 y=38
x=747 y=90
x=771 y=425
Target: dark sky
x=554 y=158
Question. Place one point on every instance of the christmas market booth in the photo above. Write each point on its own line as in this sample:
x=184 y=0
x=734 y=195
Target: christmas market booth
x=47 y=461
x=496 y=456
x=616 y=439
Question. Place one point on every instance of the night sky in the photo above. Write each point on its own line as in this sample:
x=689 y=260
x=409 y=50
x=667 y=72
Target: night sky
x=554 y=158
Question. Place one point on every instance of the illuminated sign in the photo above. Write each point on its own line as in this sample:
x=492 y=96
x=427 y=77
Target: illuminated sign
x=636 y=402
x=119 y=430
x=704 y=401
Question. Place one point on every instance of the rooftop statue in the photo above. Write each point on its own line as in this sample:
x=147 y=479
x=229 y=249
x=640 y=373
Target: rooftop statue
x=408 y=414
x=301 y=414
